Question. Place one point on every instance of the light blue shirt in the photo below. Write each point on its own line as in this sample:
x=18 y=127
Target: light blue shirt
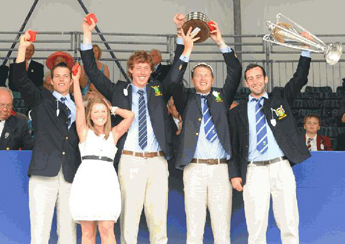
x=273 y=150
x=206 y=149
x=186 y=59
x=132 y=140
x=85 y=47
x=69 y=103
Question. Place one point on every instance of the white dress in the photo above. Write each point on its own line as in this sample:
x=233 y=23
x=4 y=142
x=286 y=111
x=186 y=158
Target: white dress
x=95 y=193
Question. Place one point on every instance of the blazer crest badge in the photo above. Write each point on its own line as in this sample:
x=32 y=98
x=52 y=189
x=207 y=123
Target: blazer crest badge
x=280 y=112
x=157 y=91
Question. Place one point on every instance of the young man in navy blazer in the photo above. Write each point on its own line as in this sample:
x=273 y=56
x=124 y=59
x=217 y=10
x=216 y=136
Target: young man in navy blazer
x=204 y=147
x=144 y=150
x=265 y=141
x=55 y=157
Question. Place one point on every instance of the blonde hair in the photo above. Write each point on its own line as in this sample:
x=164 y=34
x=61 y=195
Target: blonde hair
x=89 y=122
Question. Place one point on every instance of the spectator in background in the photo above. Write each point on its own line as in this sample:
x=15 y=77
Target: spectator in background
x=314 y=141
x=52 y=60
x=160 y=70
x=14 y=132
x=85 y=82
x=33 y=68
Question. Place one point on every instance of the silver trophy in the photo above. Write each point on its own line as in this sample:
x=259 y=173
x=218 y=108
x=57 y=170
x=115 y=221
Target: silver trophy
x=288 y=34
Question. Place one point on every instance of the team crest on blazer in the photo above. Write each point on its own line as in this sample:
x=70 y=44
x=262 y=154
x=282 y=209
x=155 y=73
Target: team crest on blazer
x=157 y=91
x=7 y=135
x=217 y=96
x=280 y=112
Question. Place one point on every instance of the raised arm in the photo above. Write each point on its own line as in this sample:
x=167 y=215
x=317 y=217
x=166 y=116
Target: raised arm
x=100 y=80
x=30 y=93
x=300 y=77
x=124 y=125
x=233 y=66
x=80 y=116
x=179 y=91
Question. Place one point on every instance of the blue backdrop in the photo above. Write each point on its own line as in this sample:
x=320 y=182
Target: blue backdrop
x=320 y=193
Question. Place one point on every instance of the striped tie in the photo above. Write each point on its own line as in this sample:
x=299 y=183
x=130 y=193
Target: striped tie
x=210 y=130
x=142 y=120
x=261 y=129
x=69 y=114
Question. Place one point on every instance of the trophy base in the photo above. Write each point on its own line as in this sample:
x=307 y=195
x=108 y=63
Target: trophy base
x=333 y=53
x=204 y=32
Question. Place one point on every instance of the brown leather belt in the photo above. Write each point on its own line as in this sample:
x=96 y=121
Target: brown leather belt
x=209 y=161
x=267 y=162
x=143 y=154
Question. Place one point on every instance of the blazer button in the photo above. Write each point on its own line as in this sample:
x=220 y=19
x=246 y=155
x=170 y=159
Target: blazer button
x=63 y=153
x=7 y=148
x=199 y=119
x=197 y=133
x=66 y=138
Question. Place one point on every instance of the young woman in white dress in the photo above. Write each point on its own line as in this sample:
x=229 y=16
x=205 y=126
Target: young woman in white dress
x=95 y=194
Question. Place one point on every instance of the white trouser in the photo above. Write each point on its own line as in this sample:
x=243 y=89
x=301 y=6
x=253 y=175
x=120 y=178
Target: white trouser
x=278 y=180
x=44 y=193
x=144 y=181
x=207 y=186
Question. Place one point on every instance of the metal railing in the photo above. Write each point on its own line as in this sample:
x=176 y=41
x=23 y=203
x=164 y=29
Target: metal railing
x=280 y=63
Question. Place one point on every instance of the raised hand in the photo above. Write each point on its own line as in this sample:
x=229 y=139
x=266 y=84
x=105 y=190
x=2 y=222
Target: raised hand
x=189 y=38
x=24 y=40
x=76 y=77
x=88 y=28
x=179 y=20
x=216 y=35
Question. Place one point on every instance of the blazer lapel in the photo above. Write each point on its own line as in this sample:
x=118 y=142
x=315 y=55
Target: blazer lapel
x=129 y=90
x=197 y=99
x=244 y=114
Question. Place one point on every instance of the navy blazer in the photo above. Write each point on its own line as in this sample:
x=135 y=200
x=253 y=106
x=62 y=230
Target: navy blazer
x=55 y=145
x=120 y=94
x=285 y=131
x=188 y=104
x=16 y=135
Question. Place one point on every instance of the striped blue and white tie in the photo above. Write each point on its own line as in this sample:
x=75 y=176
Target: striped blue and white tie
x=142 y=120
x=261 y=128
x=69 y=114
x=210 y=130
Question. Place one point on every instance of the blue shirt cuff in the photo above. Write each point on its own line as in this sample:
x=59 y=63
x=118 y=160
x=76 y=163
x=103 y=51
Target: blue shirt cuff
x=305 y=54
x=226 y=49
x=85 y=47
x=184 y=58
x=179 y=41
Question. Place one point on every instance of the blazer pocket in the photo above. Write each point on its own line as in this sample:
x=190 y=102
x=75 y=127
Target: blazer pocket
x=39 y=160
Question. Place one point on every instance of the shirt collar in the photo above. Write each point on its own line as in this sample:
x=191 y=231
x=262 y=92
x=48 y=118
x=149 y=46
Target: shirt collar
x=136 y=89
x=314 y=137
x=156 y=67
x=250 y=97
x=58 y=96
